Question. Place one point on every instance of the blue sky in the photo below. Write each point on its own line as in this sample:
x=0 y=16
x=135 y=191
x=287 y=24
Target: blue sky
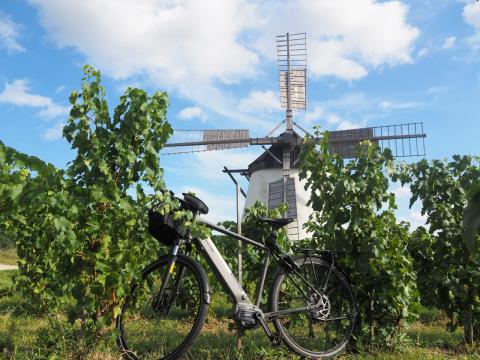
x=370 y=63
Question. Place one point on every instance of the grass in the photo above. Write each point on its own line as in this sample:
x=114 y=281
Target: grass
x=26 y=335
x=8 y=256
x=6 y=278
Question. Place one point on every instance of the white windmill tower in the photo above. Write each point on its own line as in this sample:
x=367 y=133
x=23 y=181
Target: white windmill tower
x=273 y=176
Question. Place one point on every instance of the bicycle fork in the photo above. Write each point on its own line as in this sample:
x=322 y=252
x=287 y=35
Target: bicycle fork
x=158 y=302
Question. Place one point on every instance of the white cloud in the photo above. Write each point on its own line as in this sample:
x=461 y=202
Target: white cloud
x=221 y=207
x=320 y=115
x=336 y=111
x=188 y=46
x=54 y=132
x=209 y=181
x=449 y=42
x=347 y=125
x=60 y=89
x=350 y=101
x=471 y=15
x=209 y=165
x=334 y=119
x=332 y=59
x=402 y=192
x=9 y=35
x=18 y=93
x=194 y=112
x=390 y=105
x=198 y=47
x=180 y=39
x=423 y=52
x=353 y=110
x=416 y=219
x=314 y=115
x=346 y=38
x=437 y=89
x=264 y=101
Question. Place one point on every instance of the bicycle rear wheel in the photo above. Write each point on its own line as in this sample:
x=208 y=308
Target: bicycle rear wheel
x=153 y=327
x=322 y=332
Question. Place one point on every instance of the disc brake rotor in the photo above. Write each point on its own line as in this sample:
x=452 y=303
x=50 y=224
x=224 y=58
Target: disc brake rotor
x=323 y=310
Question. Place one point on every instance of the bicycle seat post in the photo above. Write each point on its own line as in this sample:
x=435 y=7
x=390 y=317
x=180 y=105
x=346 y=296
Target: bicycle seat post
x=271 y=241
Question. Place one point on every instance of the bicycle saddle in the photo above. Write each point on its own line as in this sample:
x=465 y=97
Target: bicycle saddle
x=195 y=203
x=276 y=223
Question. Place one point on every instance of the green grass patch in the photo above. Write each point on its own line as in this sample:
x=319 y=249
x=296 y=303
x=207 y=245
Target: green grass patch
x=8 y=256
x=27 y=335
x=6 y=278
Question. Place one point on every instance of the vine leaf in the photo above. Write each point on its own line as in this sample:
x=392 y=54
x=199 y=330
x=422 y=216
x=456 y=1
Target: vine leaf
x=471 y=219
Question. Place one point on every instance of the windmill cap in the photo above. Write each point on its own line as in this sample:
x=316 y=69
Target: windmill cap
x=267 y=161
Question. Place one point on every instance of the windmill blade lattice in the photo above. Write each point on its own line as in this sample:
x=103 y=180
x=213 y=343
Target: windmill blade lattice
x=192 y=141
x=292 y=68
x=292 y=60
x=403 y=140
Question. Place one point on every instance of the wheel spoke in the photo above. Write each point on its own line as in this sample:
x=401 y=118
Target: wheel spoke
x=153 y=326
x=323 y=330
x=311 y=335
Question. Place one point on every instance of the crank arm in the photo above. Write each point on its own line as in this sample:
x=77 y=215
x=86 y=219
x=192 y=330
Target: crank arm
x=275 y=339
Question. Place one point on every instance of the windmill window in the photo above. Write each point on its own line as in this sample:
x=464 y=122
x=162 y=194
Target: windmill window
x=275 y=196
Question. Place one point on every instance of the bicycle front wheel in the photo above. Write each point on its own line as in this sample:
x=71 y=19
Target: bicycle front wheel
x=163 y=327
x=321 y=332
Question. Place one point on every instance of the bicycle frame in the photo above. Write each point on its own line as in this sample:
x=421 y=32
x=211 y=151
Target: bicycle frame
x=227 y=278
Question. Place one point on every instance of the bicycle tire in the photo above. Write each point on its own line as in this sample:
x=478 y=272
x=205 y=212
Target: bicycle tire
x=293 y=327
x=139 y=322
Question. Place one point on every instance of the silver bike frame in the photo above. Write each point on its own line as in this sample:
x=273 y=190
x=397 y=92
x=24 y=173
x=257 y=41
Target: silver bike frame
x=220 y=267
x=228 y=280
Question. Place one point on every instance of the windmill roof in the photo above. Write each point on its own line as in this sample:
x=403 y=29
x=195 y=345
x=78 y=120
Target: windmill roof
x=266 y=161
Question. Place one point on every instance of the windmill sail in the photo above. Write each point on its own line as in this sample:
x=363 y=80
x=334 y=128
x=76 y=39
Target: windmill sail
x=298 y=79
x=403 y=140
x=213 y=138
x=192 y=141
x=292 y=69
x=344 y=142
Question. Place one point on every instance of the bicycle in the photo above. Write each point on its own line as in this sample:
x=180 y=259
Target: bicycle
x=311 y=303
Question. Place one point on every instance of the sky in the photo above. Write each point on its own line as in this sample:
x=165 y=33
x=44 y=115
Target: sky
x=370 y=63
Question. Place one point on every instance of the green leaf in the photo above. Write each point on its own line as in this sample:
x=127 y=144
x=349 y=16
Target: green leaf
x=471 y=222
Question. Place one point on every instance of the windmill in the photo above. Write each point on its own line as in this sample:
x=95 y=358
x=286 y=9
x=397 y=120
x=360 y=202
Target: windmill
x=273 y=176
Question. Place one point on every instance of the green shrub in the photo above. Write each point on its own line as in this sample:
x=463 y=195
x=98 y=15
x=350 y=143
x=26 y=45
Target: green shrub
x=82 y=232
x=6 y=242
x=449 y=272
x=354 y=215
